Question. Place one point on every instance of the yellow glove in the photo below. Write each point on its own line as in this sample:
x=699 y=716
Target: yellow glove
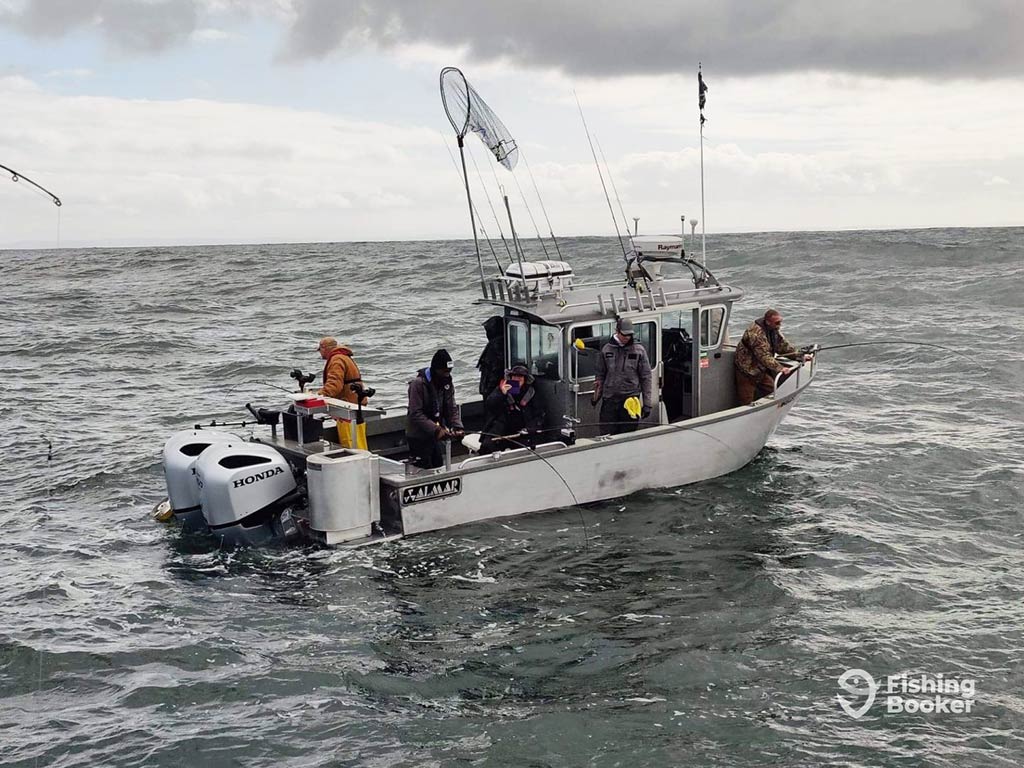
x=632 y=406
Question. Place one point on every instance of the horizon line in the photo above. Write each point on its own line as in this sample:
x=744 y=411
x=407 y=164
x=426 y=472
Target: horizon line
x=37 y=246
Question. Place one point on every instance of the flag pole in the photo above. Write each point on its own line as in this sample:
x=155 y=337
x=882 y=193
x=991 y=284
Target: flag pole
x=701 y=90
x=703 y=216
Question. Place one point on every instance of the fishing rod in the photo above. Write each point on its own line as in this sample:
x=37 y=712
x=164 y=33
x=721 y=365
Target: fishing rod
x=893 y=341
x=16 y=176
x=615 y=221
x=618 y=200
x=530 y=214
x=544 y=210
x=254 y=381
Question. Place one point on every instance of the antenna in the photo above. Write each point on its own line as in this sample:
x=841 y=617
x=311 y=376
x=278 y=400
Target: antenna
x=605 y=188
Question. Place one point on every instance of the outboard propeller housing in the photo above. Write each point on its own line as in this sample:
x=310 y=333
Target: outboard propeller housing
x=181 y=451
x=242 y=488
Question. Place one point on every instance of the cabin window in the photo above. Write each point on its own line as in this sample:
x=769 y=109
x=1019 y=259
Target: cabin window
x=593 y=336
x=712 y=323
x=680 y=319
x=546 y=351
x=518 y=344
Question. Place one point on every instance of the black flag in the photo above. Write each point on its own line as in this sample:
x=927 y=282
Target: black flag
x=701 y=90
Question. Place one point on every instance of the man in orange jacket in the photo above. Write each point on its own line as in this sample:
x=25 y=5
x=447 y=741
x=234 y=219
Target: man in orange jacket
x=340 y=371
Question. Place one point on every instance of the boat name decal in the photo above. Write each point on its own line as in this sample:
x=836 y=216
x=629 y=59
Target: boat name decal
x=258 y=476
x=436 y=490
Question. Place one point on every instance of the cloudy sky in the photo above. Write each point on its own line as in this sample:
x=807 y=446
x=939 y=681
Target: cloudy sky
x=198 y=121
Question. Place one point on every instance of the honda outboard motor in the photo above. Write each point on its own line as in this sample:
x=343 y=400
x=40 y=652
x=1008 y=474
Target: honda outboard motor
x=181 y=452
x=242 y=488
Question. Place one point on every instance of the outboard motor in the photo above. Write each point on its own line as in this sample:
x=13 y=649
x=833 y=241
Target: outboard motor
x=242 y=488
x=181 y=452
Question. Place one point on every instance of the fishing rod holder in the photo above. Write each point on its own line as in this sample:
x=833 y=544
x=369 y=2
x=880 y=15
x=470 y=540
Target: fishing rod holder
x=266 y=417
x=302 y=378
x=362 y=391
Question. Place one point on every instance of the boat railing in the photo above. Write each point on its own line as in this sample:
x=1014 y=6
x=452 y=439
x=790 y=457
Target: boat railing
x=644 y=300
x=779 y=376
x=632 y=298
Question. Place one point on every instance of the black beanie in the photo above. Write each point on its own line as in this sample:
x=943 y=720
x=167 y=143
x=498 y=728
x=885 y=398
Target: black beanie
x=441 y=361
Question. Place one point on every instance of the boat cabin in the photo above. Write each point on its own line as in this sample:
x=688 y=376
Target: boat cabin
x=556 y=328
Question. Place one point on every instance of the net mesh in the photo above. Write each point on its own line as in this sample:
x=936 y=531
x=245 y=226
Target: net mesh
x=468 y=112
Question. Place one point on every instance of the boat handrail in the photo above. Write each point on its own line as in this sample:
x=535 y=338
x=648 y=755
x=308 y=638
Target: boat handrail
x=778 y=377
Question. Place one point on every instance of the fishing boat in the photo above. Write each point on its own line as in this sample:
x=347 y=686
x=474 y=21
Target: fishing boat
x=339 y=473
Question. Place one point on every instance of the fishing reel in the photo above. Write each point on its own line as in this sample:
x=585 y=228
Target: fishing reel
x=810 y=349
x=302 y=378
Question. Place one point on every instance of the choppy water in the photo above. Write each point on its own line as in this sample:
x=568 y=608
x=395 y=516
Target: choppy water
x=706 y=625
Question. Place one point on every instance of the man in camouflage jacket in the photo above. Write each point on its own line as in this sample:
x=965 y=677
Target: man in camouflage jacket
x=756 y=366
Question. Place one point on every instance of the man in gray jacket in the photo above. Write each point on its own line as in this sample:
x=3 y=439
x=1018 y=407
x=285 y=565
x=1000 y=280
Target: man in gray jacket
x=623 y=371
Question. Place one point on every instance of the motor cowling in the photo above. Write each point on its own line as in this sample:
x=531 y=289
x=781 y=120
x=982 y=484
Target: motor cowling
x=242 y=487
x=181 y=451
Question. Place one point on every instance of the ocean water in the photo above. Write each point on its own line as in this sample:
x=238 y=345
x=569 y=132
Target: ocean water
x=880 y=529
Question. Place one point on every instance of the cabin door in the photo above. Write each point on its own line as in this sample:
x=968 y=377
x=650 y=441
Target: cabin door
x=680 y=387
x=582 y=364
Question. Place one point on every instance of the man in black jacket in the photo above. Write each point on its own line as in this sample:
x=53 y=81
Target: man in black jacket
x=433 y=414
x=515 y=414
x=492 y=360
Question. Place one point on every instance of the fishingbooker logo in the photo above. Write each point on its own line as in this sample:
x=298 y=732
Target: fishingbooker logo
x=913 y=694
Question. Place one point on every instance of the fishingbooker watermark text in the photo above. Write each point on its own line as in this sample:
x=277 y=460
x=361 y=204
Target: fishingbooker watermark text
x=906 y=693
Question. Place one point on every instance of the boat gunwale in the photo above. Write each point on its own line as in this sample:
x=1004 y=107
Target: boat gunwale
x=736 y=412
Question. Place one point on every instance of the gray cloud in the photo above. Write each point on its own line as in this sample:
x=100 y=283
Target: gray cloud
x=931 y=38
x=152 y=25
x=595 y=38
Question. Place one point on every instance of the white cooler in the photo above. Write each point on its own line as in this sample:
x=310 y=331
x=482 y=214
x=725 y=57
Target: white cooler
x=344 y=494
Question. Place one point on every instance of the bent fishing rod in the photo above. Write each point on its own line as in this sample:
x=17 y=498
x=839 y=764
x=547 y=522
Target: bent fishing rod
x=893 y=341
x=16 y=176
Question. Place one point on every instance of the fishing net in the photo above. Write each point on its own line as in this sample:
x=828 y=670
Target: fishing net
x=468 y=112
